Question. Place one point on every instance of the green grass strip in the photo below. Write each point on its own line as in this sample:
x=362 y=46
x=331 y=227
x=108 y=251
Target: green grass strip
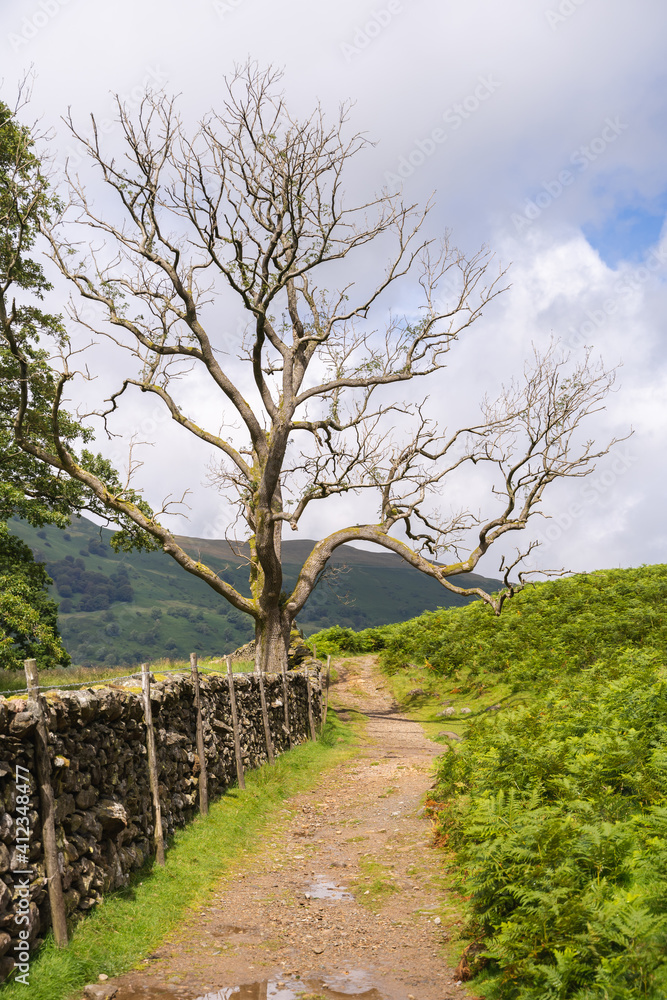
x=131 y=923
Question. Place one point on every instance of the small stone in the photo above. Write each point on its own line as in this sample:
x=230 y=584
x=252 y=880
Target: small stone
x=448 y=734
x=65 y=806
x=111 y=815
x=5 y=900
x=437 y=920
x=318 y=949
x=102 y=977
x=96 y=991
x=23 y=724
x=86 y=798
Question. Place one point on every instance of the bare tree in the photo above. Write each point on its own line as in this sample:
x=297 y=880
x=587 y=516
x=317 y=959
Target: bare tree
x=253 y=203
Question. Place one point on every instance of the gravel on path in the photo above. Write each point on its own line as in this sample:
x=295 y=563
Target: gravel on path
x=345 y=895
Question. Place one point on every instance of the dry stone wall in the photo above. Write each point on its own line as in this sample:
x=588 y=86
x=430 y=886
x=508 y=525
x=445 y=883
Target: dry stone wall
x=104 y=816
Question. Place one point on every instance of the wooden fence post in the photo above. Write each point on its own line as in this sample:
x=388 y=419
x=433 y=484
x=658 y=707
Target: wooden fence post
x=265 y=716
x=286 y=698
x=311 y=721
x=152 y=764
x=201 y=752
x=43 y=768
x=326 y=693
x=235 y=723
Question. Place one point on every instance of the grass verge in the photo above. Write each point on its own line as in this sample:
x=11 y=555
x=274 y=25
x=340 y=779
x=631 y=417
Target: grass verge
x=426 y=696
x=131 y=923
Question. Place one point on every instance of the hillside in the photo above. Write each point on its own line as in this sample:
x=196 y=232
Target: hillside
x=554 y=628
x=553 y=804
x=125 y=608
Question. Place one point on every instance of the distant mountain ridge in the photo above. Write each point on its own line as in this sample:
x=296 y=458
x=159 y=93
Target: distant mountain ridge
x=128 y=607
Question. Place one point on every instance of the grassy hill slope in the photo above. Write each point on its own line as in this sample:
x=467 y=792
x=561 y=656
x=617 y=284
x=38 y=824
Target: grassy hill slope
x=125 y=608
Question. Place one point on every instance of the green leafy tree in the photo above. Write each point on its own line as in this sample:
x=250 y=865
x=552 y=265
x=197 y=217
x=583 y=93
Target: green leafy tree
x=29 y=488
x=30 y=390
x=28 y=616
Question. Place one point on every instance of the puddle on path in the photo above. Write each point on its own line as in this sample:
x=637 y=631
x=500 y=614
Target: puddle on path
x=355 y=983
x=151 y=993
x=327 y=890
x=337 y=986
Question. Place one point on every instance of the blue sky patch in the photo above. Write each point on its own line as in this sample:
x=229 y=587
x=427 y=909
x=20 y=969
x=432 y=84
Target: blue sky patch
x=629 y=233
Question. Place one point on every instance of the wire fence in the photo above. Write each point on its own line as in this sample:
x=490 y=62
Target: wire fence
x=104 y=682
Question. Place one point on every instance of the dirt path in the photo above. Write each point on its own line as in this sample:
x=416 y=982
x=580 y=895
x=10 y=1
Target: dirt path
x=287 y=922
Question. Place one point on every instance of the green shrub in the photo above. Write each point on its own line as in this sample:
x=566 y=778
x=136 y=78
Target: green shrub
x=336 y=640
x=556 y=811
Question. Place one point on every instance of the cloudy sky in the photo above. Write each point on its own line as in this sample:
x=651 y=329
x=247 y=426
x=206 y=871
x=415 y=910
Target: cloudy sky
x=540 y=128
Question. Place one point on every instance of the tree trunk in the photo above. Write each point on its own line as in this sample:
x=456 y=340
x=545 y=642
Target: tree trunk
x=272 y=636
x=273 y=625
